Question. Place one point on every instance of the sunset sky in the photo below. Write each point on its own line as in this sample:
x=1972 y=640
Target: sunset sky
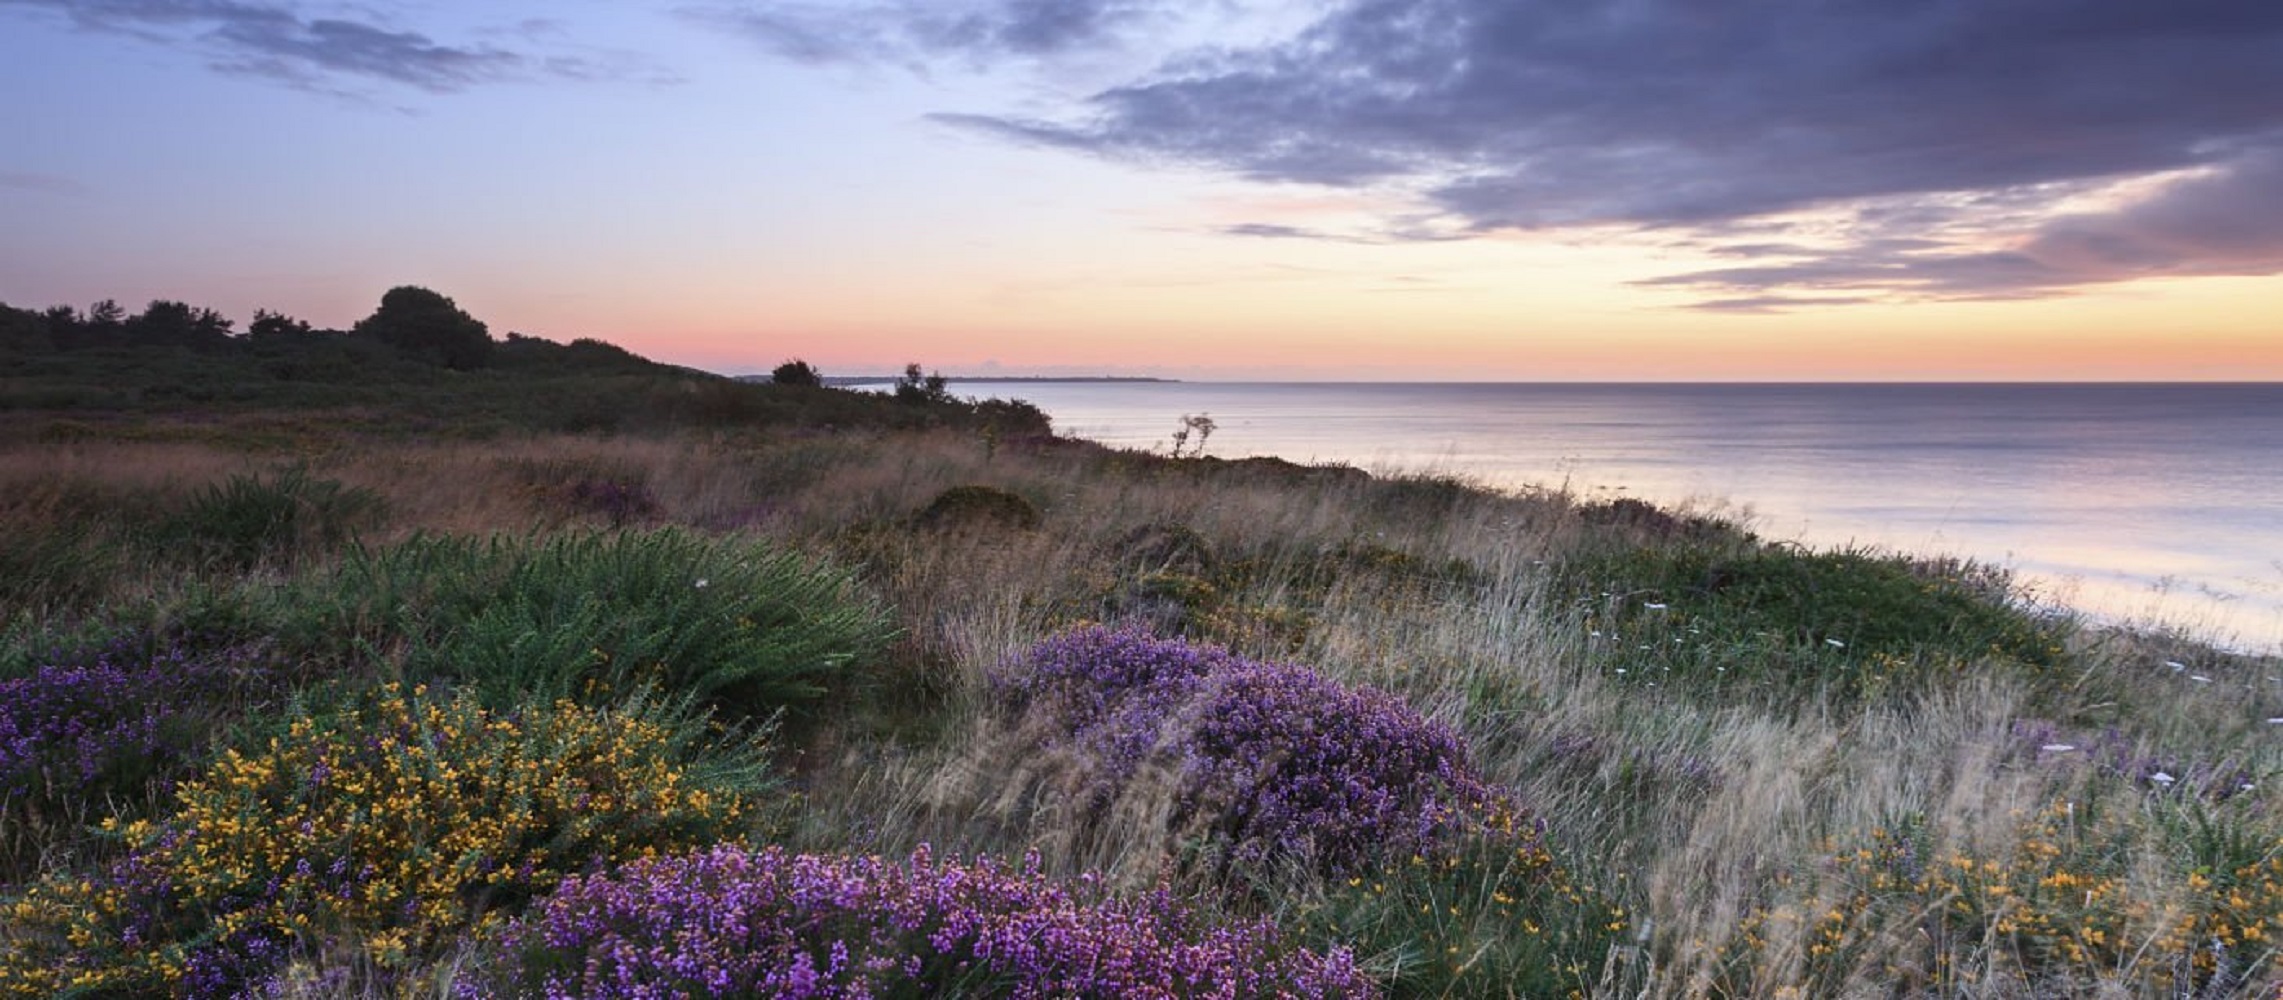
x=1440 y=189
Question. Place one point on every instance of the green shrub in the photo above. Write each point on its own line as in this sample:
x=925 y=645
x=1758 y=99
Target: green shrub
x=745 y=625
x=247 y=521
x=1787 y=623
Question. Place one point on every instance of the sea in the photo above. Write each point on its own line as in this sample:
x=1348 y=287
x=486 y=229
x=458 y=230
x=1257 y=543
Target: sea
x=2155 y=506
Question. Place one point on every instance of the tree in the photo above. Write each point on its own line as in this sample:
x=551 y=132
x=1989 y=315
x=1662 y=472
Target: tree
x=1201 y=425
x=916 y=388
x=23 y=330
x=797 y=372
x=270 y=326
x=177 y=324
x=422 y=324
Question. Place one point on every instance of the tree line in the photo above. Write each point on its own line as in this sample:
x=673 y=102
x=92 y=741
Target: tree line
x=411 y=322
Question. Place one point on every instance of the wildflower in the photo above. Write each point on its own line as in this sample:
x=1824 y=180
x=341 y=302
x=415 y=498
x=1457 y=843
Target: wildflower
x=733 y=922
x=1275 y=759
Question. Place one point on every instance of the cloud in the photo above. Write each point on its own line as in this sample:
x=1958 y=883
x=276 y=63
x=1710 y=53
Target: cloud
x=1967 y=125
x=277 y=42
x=2220 y=221
x=1274 y=231
x=908 y=30
x=1762 y=304
x=2227 y=221
x=41 y=183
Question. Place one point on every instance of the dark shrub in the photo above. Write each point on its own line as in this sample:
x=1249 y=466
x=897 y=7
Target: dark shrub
x=797 y=372
x=972 y=506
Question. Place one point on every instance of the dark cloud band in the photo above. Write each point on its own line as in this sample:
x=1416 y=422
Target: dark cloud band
x=278 y=42
x=1963 y=126
x=905 y=30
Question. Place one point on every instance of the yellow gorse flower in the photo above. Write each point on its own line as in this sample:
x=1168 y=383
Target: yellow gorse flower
x=397 y=825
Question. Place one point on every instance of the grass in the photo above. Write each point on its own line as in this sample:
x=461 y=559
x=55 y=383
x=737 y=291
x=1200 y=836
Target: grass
x=1748 y=769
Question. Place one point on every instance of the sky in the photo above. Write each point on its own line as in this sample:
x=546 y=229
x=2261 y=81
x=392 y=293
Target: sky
x=1481 y=190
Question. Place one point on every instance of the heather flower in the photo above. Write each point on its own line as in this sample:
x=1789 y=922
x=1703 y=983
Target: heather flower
x=1273 y=760
x=110 y=727
x=107 y=721
x=733 y=922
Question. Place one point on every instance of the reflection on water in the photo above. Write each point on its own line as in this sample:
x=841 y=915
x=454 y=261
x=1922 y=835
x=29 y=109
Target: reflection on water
x=2138 y=502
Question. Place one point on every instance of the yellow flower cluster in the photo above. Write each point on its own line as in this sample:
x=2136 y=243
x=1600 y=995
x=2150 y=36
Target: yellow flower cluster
x=396 y=826
x=2069 y=901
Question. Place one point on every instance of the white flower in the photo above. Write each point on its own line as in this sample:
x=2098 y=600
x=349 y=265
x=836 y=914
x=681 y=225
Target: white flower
x=701 y=584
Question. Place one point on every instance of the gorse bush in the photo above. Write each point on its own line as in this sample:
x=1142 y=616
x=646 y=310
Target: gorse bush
x=743 y=624
x=1274 y=762
x=736 y=923
x=388 y=827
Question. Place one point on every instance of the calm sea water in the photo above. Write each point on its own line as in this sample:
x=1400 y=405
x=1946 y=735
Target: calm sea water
x=2150 y=504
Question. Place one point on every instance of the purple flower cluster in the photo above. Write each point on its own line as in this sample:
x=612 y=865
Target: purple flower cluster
x=103 y=722
x=1274 y=759
x=734 y=922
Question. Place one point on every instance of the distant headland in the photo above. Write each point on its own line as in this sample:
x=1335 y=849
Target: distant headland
x=853 y=380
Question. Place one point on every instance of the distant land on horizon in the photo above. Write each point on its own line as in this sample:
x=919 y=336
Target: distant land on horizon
x=844 y=381
x=848 y=380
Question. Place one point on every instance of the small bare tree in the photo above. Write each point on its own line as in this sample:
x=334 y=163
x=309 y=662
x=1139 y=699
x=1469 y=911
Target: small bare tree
x=1201 y=426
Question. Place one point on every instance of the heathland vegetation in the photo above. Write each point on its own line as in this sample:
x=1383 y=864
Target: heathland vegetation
x=406 y=661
